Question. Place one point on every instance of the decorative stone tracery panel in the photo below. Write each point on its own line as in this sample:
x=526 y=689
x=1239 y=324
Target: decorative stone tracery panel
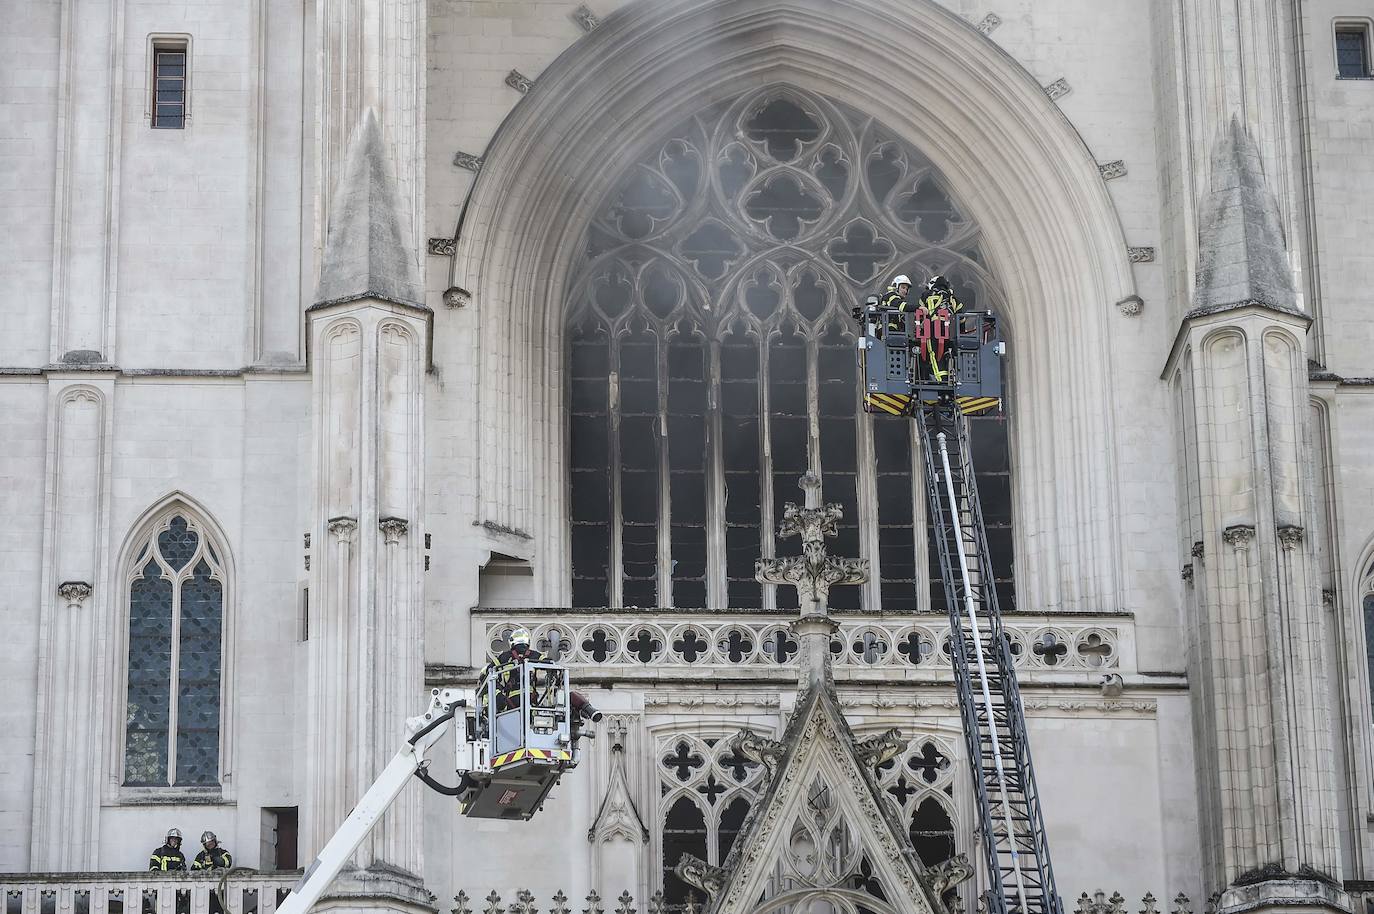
x=712 y=356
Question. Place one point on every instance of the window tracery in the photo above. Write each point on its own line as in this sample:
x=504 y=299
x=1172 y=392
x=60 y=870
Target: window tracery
x=711 y=354
x=176 y=614
x=705 y=793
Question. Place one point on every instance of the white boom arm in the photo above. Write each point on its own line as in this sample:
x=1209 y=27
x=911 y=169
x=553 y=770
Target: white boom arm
x=421 y=734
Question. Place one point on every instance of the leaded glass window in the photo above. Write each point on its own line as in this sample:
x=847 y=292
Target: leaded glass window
x=712 y=362
x=176 y=625
x=1352 y=52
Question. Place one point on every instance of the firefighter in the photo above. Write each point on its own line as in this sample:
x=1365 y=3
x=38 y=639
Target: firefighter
x=506 y=667
x=213 y=857
x=168 y=858
x=895 y=298
x=936 y=306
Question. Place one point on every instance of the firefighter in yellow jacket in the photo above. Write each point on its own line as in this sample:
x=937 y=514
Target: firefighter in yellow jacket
x=936 y=307
x=168 y=858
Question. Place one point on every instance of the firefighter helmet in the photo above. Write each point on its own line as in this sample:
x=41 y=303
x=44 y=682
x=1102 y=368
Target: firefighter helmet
x=520 y=637
x=173 y=833
x=207 y=837
x=901 y=280
x=939 y=283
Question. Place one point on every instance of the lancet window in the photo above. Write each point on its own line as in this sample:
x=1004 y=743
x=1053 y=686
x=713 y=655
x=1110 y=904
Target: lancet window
x=712 y=362
x=176 y=625
x=705 y=793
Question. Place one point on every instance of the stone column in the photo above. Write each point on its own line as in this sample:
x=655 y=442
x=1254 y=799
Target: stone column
x=369 y=340
x=74 y=622
x=1258 y=671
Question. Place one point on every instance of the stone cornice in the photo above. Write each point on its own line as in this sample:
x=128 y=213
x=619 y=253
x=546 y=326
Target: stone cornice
x=1287 y=316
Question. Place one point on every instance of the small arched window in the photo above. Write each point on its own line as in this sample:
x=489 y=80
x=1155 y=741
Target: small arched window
x=176 y=624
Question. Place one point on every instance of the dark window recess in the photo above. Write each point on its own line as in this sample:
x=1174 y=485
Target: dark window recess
x=1352 y=53
x=280 y=830
x=169 y=87
x=932 y=832
x=684 y=832
x=731 y=821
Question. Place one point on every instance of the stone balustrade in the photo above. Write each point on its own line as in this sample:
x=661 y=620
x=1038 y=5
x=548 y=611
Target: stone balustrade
x=241 y=892
x=694 y=641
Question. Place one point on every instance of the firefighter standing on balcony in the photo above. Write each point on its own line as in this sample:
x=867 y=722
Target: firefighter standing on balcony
x=213 y=857
x=168 y=858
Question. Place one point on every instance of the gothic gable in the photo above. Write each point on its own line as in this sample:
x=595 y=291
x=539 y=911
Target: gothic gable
x=822 y=829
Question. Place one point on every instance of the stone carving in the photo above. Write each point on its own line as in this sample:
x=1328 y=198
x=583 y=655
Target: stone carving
x=468 y=161
x=74 y=592
x=393 y=528
x=1182 y=904
x=627 y=903
x=523 y=904
x=1113 y=169
x=1141 y=255
x=767 y=752
x=593 y=904
x=1099 y=903
x=1058 y=89
x=443 y=247
x=519 y=82
x=697 y=872
x=457 y=297
x=560 y=903
x=1131 y=305
x=1150 y=903
x=1239 y=535
x=1112 y=685
x=813 y=572
x=493 y=904
x=1290 y=535
x=460 y=903
x=1187 y=573
x=865 y=641
x=618 y=815
x=1329 y=599
x=343 y=528
x=883 y=747
x=942 y=878
x=988 y=23
x=1197 y=550
x=585 y=18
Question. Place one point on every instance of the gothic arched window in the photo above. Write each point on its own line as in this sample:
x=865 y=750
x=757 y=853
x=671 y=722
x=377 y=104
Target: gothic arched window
x=712 y=363
x=176 y=623
x=921 y=782
x=705 y=793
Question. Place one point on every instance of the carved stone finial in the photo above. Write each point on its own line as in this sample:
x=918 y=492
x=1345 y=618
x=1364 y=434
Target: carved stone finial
x=697 y=872
x=593 y=904
x=343 y=528
x=74 y=592
x=875 y=750
x=560 y=903
x=766 y=752
x=493 y=904
x=1182 y=905
x=627 y=903
x=944 y=877
x=1151 y=904
x=813 y=572
x=393 y=528
x=460 y=903
x=1290 y=535
x=1239 y=535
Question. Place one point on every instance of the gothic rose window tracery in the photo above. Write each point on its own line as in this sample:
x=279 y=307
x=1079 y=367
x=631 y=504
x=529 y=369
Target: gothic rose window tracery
x=711 y=356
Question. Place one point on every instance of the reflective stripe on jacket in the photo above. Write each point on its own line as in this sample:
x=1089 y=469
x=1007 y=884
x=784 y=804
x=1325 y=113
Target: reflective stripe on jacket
x=167 y=859
x=217 y=859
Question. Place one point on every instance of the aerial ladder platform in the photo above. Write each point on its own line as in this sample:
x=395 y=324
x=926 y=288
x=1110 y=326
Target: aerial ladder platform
x=936 y=364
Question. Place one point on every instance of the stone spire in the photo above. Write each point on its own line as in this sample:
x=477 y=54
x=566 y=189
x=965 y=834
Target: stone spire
x=813 y=573
x=365 y=253
x=1242 y=258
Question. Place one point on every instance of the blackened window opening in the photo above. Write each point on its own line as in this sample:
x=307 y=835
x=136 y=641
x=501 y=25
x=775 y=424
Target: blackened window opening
x=1352 y=53
x=169 y=87
x=712 y=362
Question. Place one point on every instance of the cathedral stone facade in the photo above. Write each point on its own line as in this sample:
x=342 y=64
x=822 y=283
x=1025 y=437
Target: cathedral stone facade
x=345 y=337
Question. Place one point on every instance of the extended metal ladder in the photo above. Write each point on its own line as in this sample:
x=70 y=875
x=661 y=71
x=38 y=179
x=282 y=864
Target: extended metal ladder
x=1013 y=831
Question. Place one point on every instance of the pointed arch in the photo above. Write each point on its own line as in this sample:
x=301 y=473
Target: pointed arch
x=1053 y=235
x=172 y=670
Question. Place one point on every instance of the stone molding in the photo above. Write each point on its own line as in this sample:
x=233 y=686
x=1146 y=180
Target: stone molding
x=1058 y=89
x=442 y=247
x=1131 y=305
x=1290 y=535
x=988 y=23
x=1141 y=254
x=468 y=162
x=585 y=18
